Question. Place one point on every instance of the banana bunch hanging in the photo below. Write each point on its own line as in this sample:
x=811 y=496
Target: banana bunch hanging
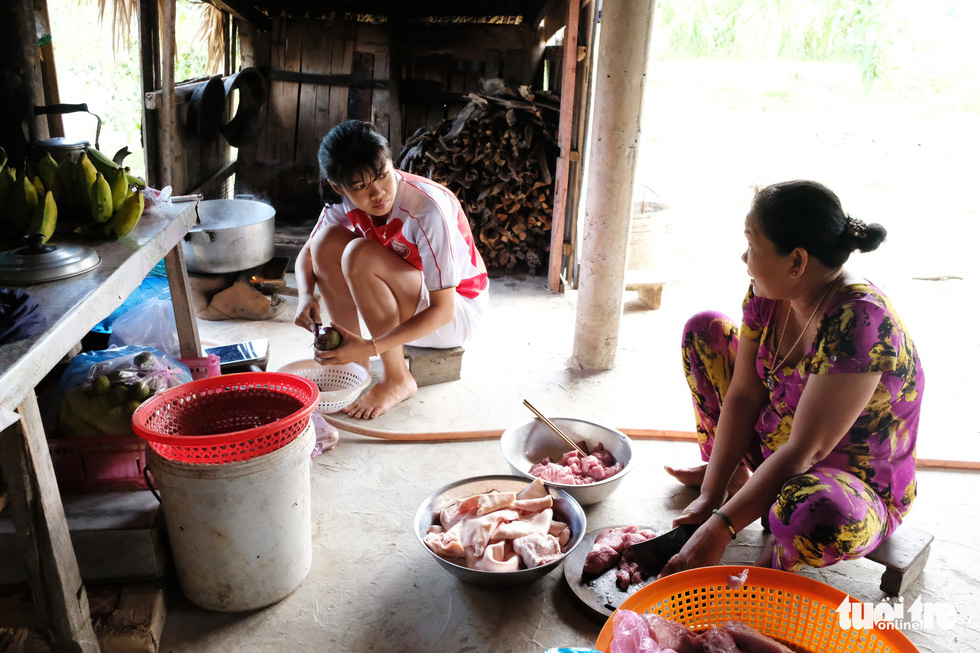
x=95 y=194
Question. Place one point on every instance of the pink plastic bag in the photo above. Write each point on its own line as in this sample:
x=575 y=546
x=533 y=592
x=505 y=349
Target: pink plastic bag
x=631 y=634
x=327 y=435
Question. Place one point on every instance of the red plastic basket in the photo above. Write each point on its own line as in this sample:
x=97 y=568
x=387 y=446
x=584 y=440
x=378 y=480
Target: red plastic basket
x=229 y=418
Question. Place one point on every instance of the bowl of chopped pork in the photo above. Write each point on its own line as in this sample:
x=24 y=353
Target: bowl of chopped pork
x=535 y=451
x=499 y=530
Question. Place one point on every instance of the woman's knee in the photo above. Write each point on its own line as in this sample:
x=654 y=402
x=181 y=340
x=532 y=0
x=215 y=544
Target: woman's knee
x=357 y=256
x=821 y=518
x=327 y=252
x=708 y=326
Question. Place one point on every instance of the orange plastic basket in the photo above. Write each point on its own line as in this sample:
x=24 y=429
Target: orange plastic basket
x=229 y=418
x=798 y=611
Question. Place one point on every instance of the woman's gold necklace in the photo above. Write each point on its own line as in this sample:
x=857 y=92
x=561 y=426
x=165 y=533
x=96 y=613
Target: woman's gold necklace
x=769 y=377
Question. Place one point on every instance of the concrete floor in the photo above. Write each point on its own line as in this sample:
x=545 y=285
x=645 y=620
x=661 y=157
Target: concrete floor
x=373 y=588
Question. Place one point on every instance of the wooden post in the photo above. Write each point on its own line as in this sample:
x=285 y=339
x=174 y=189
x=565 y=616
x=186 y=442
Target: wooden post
x=59 y=597
x=565 y=112
x=49 y=74
x=149 y=24
x=168 y=109
x=588 y=20
x=19 y=75
x=624 y=42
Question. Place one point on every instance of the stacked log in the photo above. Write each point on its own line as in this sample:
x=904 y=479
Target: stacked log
x=496 y=155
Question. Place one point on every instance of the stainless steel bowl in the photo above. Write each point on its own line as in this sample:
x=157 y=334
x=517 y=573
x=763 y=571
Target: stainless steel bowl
x=566 y=509
x=525 y=444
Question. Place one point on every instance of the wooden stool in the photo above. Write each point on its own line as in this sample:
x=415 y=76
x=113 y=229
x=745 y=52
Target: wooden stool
x=904 y=554
x=650 y=289
x=430 y=366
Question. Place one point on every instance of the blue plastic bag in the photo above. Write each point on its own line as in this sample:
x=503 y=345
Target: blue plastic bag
x=100 y=390
x=154 y=286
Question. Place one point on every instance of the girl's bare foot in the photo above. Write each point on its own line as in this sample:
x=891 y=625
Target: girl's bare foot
x=694 y=476
x=386 y=394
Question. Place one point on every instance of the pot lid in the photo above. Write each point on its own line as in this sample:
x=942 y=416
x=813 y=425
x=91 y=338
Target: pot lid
x=37 y=263
x=60 y=143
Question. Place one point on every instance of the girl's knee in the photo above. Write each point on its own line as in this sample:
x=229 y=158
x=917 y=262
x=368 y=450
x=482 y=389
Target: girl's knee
x=356 y=256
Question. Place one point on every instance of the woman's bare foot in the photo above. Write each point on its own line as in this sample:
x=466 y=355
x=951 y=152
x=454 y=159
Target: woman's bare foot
x=765 y=557
x=386 y=394
x=694 y=476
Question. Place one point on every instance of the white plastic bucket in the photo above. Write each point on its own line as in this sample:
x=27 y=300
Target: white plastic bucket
x=241 y=533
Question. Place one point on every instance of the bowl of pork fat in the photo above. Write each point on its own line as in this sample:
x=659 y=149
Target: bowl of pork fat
x=497 y=534
x=526 y=445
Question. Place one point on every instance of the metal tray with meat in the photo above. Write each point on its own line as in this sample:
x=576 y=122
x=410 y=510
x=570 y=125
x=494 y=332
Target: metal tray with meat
x=599 y=594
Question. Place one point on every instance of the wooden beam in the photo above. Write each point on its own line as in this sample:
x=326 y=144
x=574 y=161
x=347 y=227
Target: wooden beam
x=49 y=74
x=327 y=80
x=59 y=597
x=149 y=29
x=19 y=72
x=226 y=171
x=244 y=11
x=168 y=111
x=180 y=293
x=589 y=17
x=569 y=62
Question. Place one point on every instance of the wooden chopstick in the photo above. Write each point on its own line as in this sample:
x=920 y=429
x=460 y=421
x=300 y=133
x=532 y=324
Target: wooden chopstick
x=555 y=428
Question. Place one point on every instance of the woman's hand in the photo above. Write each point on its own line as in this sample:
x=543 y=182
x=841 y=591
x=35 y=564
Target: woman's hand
x=352 y=348
x=308 y=313
x=704 y=549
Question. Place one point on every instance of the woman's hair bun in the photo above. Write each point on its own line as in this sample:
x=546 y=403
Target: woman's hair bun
x=861 y=236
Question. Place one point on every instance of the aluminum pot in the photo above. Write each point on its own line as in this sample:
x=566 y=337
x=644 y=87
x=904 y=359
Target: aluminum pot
x=232 y=235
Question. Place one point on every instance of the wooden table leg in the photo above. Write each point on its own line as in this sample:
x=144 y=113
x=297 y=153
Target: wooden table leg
x=180 y=294
x=59 y=596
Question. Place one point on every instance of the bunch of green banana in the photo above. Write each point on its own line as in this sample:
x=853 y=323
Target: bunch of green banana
x=45 y=217
x=107 y=166
x=126 y=217
x=90 y=191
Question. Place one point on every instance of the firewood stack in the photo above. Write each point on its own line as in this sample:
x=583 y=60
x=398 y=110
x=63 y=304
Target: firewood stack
x=496 y=155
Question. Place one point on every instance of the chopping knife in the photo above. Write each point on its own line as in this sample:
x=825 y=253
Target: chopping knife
x=654 y=553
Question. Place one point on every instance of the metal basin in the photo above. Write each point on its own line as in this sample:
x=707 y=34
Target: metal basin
x=566 y=509
x=525 y=444
x=233 y=235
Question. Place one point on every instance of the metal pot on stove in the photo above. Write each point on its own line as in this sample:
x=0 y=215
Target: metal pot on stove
x=232 y=235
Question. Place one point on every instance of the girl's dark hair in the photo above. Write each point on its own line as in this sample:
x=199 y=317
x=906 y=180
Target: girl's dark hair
x=809 y=215
x=349 y=150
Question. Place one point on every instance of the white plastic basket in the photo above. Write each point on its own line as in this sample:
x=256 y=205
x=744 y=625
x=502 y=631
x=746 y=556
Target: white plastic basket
x=339 y=385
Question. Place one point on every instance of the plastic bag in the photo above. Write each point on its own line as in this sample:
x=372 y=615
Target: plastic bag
x=631 y=634
x=100 y=390
x=327 y=435
x=154 y=286
x=151 y=324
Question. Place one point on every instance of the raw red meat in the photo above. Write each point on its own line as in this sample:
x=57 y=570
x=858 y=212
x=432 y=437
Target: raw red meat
x=598 y=465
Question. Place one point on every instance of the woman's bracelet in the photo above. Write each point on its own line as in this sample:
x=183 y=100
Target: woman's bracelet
x=375 y=343
x=728 y=522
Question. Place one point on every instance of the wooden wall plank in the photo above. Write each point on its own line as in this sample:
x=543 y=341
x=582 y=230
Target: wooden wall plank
x=307 y=141
x=343 y=56
x=290 y=91
x=380 y=98
x=324 y=65
x=359 y=99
